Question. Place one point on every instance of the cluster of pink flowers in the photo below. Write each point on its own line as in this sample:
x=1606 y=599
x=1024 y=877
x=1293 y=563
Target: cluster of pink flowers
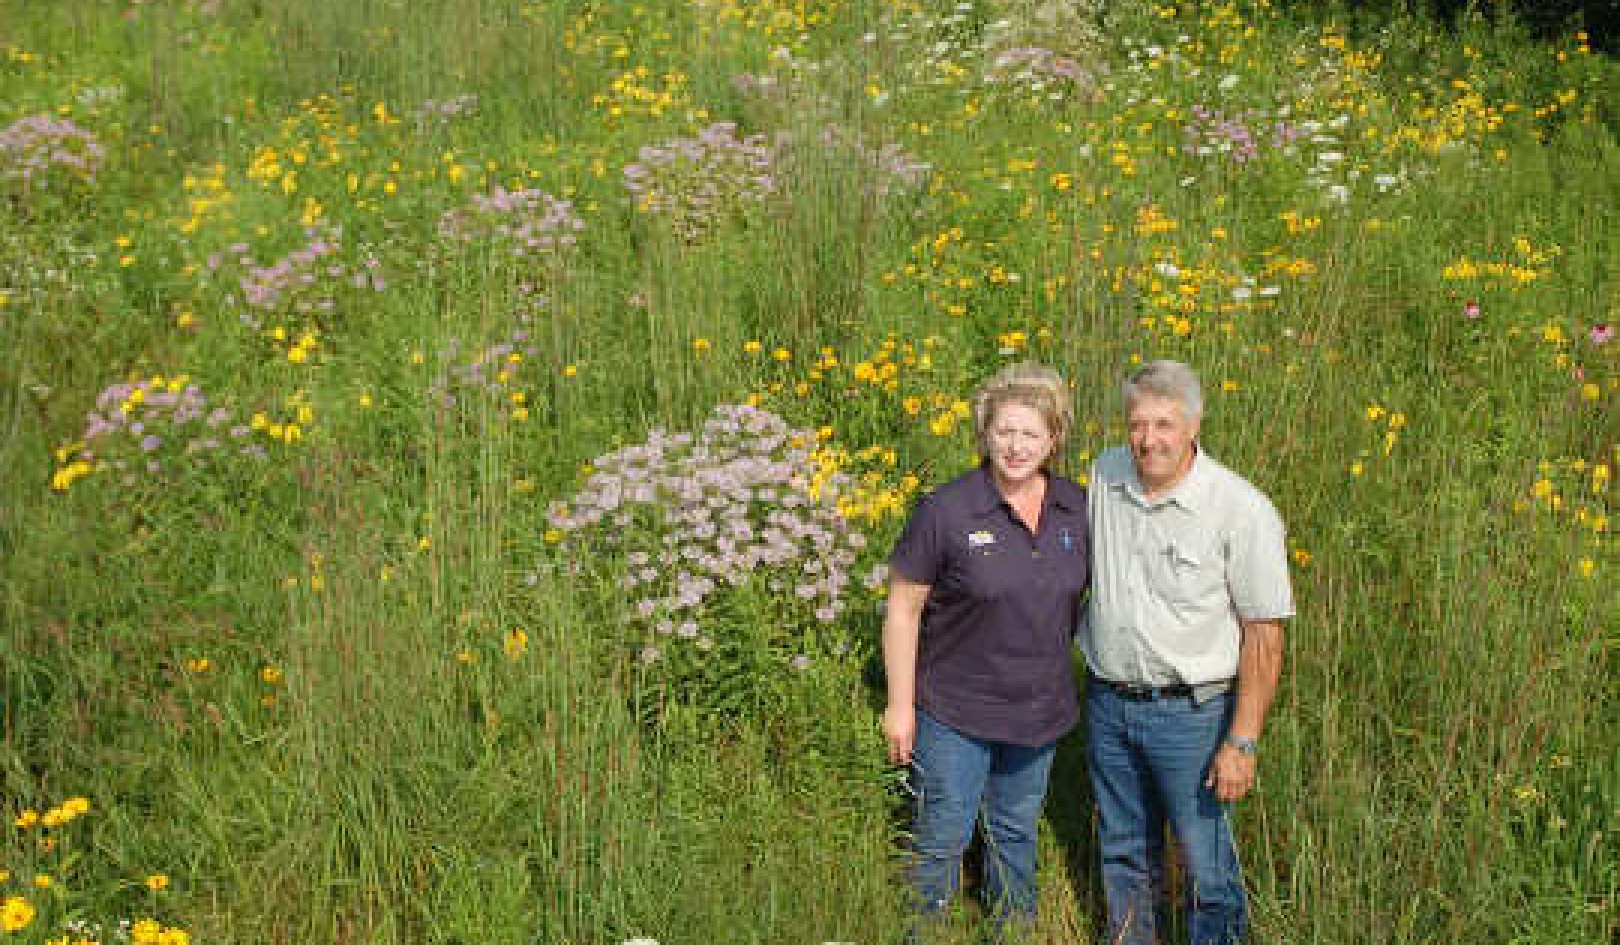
x=37 y=148
x=885 y=170
x=693 y=182
x=491 y=372
x=690 y=518
x=304 y=285
x=1038 y=67
x=526 y=224
x=154 y=425
x=435 y=112
x=1240 y=138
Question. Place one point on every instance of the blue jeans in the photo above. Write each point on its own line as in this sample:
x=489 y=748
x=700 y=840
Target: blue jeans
x=1148 y=762
x=954 y=775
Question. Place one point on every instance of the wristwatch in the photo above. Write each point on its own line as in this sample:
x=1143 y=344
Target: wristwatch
x=1246 y=745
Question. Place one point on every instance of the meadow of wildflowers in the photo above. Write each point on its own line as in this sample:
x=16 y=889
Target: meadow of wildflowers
x=450 y=449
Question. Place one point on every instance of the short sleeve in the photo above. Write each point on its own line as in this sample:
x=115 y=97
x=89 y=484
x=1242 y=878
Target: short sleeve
x=1257 y=571
x=919 y=554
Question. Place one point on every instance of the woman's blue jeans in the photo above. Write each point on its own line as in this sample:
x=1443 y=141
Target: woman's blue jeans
x=1148 y=761
x=957 y=775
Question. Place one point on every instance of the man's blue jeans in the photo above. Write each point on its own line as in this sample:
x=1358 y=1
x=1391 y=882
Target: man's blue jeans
x=1148 y=760
x=955 y=775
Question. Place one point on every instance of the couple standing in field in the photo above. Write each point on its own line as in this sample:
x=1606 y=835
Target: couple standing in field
x=1182 y=636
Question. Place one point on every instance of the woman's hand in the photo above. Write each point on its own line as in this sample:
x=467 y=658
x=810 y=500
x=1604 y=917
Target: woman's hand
x=900 y=728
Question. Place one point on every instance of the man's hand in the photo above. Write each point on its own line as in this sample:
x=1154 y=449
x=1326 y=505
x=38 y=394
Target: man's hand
x=1231 y=774
x=900 y=728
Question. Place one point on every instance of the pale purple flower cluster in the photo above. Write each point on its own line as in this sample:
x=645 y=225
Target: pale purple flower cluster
x=741 y=502
x=440 y=112
x=151 y=426
x=306 y=283
x=693 y=182
x=529 y=224
x=886 y=170
x=1240 y=138
x=762 y=86
x=527 y=227
x=1036 y=66
x=37 y=147
x=489 y=372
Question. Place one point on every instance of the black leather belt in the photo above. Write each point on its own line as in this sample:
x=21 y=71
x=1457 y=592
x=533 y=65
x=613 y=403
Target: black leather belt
x=1143 y=692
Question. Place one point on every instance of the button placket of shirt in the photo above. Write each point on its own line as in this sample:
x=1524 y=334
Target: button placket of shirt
x=1021 y=528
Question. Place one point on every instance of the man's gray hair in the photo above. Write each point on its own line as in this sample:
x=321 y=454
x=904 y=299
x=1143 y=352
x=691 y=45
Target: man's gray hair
x=1170 y=379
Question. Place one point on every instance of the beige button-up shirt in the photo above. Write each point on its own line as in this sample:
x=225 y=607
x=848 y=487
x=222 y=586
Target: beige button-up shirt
x=1171 y=578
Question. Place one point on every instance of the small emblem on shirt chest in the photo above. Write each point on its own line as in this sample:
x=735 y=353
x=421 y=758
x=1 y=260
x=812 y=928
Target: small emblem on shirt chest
x=980 y=541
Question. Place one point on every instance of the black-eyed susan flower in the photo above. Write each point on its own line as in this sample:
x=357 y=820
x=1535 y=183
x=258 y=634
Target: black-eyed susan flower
x=16 y=914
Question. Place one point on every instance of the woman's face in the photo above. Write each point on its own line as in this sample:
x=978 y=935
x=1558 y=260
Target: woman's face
x=1020 y=443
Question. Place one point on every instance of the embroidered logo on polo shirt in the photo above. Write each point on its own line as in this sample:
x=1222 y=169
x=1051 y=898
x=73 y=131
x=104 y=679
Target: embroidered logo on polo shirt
x=980 y=540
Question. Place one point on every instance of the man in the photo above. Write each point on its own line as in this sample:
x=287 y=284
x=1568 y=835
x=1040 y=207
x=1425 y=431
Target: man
x=1183 y=639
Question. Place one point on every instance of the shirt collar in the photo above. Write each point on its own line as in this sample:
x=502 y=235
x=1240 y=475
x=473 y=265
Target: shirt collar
x=1188 y=493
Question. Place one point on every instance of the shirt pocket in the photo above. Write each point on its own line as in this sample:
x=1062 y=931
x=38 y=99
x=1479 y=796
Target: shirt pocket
x=1183 y=575
x=981 y=571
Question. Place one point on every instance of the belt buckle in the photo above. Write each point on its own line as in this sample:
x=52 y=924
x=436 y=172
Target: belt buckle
x=1136 y=692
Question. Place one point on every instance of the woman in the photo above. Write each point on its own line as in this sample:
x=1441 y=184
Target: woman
x=984 y=592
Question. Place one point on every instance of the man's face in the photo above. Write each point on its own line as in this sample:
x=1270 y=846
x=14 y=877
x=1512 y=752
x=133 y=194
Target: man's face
x=1161 y=438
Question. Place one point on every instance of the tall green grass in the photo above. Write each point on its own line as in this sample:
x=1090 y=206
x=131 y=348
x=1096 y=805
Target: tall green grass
x=371 y=753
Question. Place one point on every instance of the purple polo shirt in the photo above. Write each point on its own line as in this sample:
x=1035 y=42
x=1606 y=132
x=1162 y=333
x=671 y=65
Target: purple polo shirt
x=993 y=653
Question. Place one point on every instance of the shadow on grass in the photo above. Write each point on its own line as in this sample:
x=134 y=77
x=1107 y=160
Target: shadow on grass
x=1073 y=815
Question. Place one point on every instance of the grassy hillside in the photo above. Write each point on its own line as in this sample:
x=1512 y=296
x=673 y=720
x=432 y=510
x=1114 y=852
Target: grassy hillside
x=448 y=449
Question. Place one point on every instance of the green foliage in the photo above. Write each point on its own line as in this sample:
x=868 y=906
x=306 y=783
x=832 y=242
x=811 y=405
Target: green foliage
x=357 y=692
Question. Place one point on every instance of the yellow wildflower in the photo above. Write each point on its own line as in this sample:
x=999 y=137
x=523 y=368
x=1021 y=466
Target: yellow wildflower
x=15 y=914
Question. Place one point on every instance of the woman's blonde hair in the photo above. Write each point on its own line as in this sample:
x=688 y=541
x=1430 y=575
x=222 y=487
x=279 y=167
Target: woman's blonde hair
x=1027 y=384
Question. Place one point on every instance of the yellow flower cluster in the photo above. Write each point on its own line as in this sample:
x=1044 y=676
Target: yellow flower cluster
x=639 y=92
x=57 y=816
x=882 y=369
x=1151 y=221
x=153 y=932
x=1575 y=485
x=207 y=198
x=1466 y=269
x=318 y=137
x=770 y=18
x=291 y=429
x=300 y=348
x=1386 y=426
x=871 y=497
